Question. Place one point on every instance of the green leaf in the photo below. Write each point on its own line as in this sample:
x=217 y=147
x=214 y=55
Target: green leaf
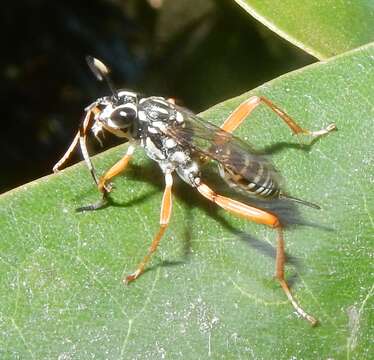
x=321 y=28
x=209 y=289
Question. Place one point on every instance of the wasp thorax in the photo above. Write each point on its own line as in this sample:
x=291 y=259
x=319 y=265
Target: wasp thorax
x=156 y=109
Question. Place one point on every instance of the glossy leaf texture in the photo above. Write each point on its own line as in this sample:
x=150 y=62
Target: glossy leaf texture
x=321 y=28
x=209 y=290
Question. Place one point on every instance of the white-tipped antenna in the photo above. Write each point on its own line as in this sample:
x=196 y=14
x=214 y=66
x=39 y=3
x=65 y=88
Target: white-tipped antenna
x=101 y=72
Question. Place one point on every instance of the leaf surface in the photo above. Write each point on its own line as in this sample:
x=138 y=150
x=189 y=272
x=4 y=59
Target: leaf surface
x=321 y=28
x=209 y=289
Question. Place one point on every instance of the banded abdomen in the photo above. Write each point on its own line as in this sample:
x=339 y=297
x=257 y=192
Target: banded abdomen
x=251 y=173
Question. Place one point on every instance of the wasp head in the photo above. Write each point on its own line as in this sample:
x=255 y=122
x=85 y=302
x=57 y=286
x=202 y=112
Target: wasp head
x=116 y=114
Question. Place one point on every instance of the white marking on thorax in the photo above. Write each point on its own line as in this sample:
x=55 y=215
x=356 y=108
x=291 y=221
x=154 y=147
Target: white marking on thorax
x=179 y=117
x=170 y=143
x=160 y=100
x=179 y=157
x=161 y=110
x=153 y=149
x=159 y=125
x=125 y=92
x=142 y=116
x=152 y=130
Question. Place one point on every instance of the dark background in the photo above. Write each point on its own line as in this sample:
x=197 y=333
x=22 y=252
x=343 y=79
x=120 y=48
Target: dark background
x=199 y=52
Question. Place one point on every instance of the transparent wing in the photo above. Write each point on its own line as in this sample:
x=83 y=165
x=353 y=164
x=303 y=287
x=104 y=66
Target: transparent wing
x=232 y=153
x=206 y=138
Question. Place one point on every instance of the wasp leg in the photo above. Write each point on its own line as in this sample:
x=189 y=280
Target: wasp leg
x=279 y=273
x=248 y=212
x=261 y=217
x=86 y=125
x=115 y=170
x=81 y=138
x=67 y=155
x=165 y=214
x=246 y=108
x=103 y=185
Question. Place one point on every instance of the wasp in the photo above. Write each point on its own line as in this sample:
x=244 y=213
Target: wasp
x=181 y=142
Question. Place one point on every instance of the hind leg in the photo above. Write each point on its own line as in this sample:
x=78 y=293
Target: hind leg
x=262 y=217
x=246 y=108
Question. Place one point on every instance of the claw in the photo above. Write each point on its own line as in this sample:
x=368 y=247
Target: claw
x=328 y=129
x=109 y=187
x=132 y=277
x=105 y=187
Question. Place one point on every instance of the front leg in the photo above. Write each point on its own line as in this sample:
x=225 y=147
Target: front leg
x=102 y=183
x=80 y=137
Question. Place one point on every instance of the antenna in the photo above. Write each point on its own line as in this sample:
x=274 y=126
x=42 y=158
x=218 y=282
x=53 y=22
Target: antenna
x=101 y=72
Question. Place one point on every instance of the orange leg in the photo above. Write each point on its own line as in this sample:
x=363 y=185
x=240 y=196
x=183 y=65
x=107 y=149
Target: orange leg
x=165 y=214
x=115 y=170
x=246 y=108
x=261 y=217
x=102 y=184
x=279 y=273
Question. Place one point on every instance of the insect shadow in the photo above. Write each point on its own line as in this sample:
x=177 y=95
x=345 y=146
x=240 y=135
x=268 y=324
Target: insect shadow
x=284 y=145
x=287 y=211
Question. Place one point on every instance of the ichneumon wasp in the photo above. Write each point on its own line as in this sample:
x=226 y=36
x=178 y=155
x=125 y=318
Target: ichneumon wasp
x=181 y=142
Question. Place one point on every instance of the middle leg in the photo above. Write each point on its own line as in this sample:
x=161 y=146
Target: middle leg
x=165 y=215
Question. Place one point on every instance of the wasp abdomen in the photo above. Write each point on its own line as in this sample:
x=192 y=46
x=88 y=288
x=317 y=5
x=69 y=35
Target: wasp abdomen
x=252 y=176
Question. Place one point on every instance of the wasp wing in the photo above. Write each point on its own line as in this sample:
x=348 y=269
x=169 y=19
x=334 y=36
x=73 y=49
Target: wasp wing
x=238 y=158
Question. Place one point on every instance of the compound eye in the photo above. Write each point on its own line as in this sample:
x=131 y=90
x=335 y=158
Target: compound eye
x=123 y=117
